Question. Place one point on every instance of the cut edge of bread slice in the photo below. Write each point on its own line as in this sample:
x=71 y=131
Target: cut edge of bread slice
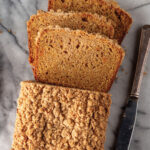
x=103 y=25
x=112 y=5
x=119 y=48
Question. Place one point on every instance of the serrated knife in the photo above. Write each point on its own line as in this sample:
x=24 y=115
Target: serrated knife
x=129 y=116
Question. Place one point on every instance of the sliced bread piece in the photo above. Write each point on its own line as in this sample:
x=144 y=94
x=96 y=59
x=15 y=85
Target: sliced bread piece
x=107 y=8
x=77 y=59
x=86 y=21
x=52 y=117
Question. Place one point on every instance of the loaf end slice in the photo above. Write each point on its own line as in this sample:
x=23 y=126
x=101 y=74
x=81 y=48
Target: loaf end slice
x=91 y=23
x=75 y=58
x=107 y=8
x=53 y=117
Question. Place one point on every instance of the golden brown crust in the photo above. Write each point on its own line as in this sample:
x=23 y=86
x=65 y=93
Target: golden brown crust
x=126 y=23
x=108 y=8
x=100 y=78
x=50 y=4
x=114 y=76
x=59 y=118
x=91 y=23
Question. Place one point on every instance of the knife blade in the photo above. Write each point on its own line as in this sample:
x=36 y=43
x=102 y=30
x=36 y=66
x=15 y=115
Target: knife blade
x=129 y=116
x=127 y=125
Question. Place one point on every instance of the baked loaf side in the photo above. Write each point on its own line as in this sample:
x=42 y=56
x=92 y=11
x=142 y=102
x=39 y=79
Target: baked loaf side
x=91 y=23
x=107 y=8
x=74 y=58
x=52 y=117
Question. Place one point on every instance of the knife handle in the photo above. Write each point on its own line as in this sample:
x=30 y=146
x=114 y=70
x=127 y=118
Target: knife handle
x=141 y=62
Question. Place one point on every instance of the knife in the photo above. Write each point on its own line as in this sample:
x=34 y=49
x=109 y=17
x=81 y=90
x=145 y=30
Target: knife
x=129 y=116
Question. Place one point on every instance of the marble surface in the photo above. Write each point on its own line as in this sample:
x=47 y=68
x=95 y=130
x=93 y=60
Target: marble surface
x=14 y=67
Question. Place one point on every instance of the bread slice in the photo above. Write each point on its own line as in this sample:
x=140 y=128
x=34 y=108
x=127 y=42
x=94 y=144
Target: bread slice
x=85 y=21
x=107 y=8
x=53 y=117
x=77 y=59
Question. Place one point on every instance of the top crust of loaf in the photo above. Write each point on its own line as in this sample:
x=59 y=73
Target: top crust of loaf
x=108 y=8
x=33 y=82
x=53 y=117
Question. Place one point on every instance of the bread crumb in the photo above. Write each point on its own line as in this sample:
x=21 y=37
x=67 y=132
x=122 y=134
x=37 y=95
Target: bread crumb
x=122 y=69
x=116 y=79
x=9 y=30
x=1 y=31
x=144 y=73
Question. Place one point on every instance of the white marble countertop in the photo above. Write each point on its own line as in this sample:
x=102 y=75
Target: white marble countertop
x=14 y=68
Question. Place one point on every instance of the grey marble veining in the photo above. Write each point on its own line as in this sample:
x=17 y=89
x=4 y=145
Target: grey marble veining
x=14 y=67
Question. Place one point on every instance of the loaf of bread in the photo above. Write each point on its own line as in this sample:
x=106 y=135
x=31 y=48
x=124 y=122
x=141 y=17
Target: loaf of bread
x=53 y=117
x=75 y=58
x=107 y=8
x=91 y=23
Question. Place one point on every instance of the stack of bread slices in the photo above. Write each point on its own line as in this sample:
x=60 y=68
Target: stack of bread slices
x=75 y=53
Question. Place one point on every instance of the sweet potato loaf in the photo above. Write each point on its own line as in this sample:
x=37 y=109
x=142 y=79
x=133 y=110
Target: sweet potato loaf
x=77 y=59
x=86 y=21
x=59 y=118
x=107 y=8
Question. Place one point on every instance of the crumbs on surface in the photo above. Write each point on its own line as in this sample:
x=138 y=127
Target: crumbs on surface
x=122 y=69
x=9 y=30
x=144 y=73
